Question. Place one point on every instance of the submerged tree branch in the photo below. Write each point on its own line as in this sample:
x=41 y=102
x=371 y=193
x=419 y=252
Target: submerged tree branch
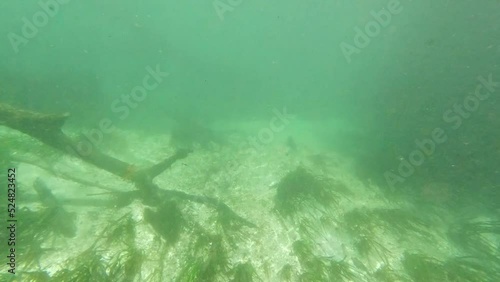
x=47 y=128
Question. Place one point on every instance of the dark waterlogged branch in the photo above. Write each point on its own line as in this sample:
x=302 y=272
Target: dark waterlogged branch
x=63 y=175
x=47 y=128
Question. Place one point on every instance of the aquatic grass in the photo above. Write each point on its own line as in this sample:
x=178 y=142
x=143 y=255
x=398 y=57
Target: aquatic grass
x=341 y=271
x=37 y=224
x=476 y=237
x=199 y=269
x=38 y=227
x=402 y=222
x=369 y=246
x=300 y=190
x=303 y=250
x=26 y=276
x=230 y=226
x=388 y=274
x=458 y=269
x=364 y=224
x=361 y=225
x=155 y=275
x=244 y=272
x=287 y=273
x=55 y=216
x=322 y=269
x=193 y=271
x=313 y=268
x=360 y=221
x=316 y=268
x=208 y=260
x=31 y=252
x=59 y=221
x=87 y=266
x=339 y=188
x=167 y=221
x=120 y=231
x=309 y=228
x=422 y=268
x=126 y=265
x=33 y=232
x=469 y=269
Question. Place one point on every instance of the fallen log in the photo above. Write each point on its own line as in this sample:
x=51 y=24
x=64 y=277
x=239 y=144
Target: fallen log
x=47 y=128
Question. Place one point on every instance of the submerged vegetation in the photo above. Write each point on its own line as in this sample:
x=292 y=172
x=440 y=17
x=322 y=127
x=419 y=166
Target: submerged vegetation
x=362 y=226
x=208 y=259
x=244 y=272
x=301 y=191
x=480 y=238
x=324 y=227
x=403 y=222
x=316 y=268
x=250 y=141
x=424 y=268
x=167 y=221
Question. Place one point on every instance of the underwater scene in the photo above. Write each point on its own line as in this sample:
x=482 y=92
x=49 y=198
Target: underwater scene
x=239 y=141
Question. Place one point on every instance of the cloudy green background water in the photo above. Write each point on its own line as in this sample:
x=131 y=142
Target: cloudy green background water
x=259 y=56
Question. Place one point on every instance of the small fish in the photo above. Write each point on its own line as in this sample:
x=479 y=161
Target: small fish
x=359 y=264
x=57 y=217
x=290 y=142
x=44 y=194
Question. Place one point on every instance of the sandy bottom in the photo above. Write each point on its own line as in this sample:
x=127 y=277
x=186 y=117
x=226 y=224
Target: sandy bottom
x=243 y=176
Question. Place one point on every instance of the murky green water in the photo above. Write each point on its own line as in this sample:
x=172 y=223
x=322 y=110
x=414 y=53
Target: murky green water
x=325 y=140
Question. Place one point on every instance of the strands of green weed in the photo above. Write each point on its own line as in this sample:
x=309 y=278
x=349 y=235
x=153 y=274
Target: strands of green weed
x=300 y=191
x=477 y=237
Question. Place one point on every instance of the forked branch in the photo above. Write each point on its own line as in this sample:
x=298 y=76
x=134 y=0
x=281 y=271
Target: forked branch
x=47 y=128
